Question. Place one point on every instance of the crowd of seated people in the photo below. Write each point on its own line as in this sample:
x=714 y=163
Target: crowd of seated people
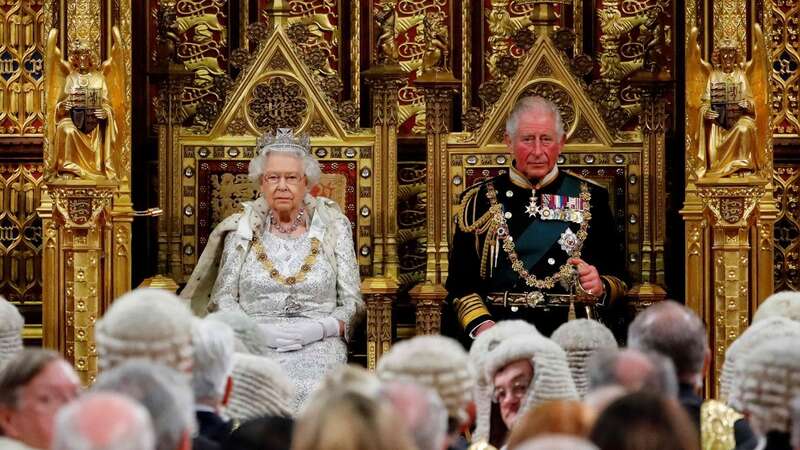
x=172 y=381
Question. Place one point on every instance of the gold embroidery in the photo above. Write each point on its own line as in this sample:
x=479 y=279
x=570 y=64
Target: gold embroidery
x=508 y=241
x=298 y=277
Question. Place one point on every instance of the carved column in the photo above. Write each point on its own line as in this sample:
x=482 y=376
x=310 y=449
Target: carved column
x=85 y=265
x=380 y=290
x=428 y=296
x=86 y=261
x=653 y=124
x=726 y=258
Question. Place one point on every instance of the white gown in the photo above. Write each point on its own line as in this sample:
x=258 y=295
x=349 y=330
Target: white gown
x=326 y=291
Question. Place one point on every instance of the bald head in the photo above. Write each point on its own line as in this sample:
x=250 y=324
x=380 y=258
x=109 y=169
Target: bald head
x=422 y=411
x=103 y=420
x=676 y=332
x=633 y=370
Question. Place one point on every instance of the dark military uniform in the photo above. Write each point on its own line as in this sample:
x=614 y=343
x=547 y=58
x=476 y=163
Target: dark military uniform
x=508 y=258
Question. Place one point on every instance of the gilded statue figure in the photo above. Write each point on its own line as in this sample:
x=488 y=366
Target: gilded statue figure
x=85 y=111
x=727 y=109
x=386 y=17
x=435 y=56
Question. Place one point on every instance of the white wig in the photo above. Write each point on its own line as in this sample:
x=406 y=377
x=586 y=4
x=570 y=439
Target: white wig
x=483 y=344
x=434 y=361
x=580 y=339
x=148 y=324
x=249 y=336
x=11 y=324
x=285 y=143
x=769 y=380
x=260 y=388
x=759 y=333
x=783 y=304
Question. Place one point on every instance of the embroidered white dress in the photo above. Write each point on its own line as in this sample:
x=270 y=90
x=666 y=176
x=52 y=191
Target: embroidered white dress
x=330 y=289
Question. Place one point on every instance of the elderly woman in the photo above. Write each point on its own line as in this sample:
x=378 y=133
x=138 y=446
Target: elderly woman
x=288 y=261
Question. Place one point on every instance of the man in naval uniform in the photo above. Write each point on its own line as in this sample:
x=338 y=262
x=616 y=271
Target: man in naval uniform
x=536 y=243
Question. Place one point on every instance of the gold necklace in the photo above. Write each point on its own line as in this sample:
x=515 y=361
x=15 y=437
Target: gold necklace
x=298 y=277
x=508 y=242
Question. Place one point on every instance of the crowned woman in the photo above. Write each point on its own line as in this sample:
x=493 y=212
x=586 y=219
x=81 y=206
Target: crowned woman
x=287 y=261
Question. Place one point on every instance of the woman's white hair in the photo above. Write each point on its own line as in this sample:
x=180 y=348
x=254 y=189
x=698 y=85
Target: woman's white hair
x=285 y=143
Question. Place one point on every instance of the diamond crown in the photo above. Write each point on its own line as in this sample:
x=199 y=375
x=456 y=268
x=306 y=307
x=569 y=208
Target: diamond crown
x=284 y=140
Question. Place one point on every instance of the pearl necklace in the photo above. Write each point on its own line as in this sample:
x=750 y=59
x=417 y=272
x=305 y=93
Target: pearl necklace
x=291 y=228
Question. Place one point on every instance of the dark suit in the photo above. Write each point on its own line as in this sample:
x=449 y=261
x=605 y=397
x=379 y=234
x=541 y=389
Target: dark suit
x=480 y=265
x=213 y=427
x=691 y=402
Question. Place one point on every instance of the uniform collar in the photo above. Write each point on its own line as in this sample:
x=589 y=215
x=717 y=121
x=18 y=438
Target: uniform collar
x=519 y=179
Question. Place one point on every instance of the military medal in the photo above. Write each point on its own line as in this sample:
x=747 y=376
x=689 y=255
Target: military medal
x=568 y=241
x=532 y=209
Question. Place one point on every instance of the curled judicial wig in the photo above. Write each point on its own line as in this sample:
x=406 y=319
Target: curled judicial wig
x=150 y=324
x=781 y=304
x=286 y=143
x=260 y=388
x=768 y=381
x=11 y=323
x=580 y=339
x=759 y=333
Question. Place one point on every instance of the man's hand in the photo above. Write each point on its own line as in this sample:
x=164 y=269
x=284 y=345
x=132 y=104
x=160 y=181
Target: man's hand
x=483 y=327
x=589 y=277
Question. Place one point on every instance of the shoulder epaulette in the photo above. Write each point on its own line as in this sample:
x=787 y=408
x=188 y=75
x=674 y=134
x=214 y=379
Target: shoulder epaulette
x=588 y=180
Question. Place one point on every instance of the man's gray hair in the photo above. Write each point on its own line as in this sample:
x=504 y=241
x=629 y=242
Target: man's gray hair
x=604 y=370
x=213 y=344
x=301 y=151
x=11 y=323
x=676 y=332
x=103 y=421
x=247 y=331
x=148 y=324
x=423 y=411
x=796 y=422
x=530 y=104
x=164 y=392
x=20 y=370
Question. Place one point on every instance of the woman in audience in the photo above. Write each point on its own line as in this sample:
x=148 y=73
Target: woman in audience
x=644 y=421
x=288 y=262
x=349 y=420
x=567 y=417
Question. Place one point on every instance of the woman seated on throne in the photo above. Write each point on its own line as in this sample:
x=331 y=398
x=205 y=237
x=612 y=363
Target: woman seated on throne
x=288 y=261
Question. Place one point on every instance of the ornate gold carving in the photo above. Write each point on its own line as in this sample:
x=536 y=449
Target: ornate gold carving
x=277 y=102
x=729 y=21
x=22 y=238
x=428 y=299
x=386 y=51
x=379 y=294
x=228 y=192
x=729 y=105
x=787 y=229
x=84 y=23
x=731 y=204
x=436 y=56
x=784 y=49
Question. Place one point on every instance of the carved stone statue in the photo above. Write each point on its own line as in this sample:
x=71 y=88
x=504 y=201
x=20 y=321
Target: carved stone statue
x=85 y=111
x=386 y=17
x=436 y=54
x=728 y=113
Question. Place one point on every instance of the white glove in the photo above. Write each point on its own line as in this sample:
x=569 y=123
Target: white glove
x=276 y=337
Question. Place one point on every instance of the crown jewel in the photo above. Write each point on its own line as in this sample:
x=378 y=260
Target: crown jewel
x=284 y=140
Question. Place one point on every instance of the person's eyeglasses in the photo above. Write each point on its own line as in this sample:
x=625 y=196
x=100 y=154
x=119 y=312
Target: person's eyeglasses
x=289 y=178
x=517 y=391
